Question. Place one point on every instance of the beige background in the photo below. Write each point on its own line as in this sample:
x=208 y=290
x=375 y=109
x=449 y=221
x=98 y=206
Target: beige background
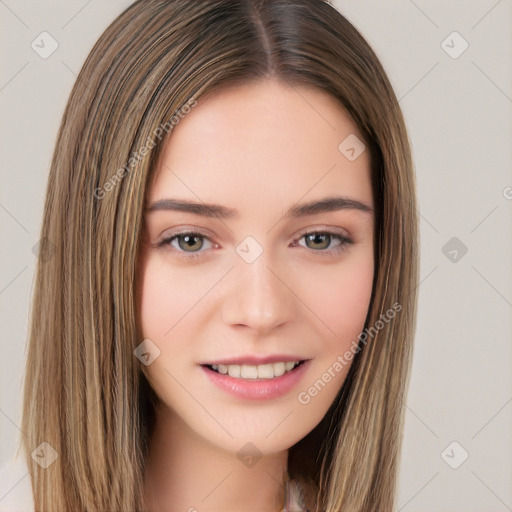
x=458 y=111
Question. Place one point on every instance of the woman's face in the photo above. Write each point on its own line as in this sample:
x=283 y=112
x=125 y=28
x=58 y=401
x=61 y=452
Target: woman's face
x=247 y=293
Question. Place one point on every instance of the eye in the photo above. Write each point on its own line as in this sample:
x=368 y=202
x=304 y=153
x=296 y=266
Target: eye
x=187 y=243
x=323 y=239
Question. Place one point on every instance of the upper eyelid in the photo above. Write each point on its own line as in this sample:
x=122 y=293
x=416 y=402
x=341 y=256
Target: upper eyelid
x=200 y=231
x=208 y=233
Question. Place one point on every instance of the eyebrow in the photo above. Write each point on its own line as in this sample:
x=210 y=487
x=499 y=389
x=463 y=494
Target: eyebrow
x=328 y=204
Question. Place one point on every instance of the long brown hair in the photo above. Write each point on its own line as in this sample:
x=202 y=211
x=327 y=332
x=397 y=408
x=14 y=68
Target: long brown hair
x=84 y=393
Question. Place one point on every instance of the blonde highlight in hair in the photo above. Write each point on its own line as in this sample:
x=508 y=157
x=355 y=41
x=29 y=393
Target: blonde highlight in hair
x=84 y=392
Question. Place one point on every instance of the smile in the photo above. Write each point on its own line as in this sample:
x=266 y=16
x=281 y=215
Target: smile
x=255 y=372
x=256 y=382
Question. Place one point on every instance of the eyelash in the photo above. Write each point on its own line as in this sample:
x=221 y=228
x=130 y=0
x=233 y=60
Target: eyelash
x=344 y=242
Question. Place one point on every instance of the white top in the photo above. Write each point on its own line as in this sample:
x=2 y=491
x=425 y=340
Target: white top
x=16 y=489
x=294 y=501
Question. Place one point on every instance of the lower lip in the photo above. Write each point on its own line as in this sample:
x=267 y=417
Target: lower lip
x=265 y=389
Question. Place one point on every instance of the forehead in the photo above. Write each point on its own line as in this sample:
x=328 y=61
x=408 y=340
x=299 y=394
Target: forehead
x=264 y=139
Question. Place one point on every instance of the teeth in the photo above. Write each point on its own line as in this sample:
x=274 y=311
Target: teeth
x=278 y=369
x=261 y=371
x=248 y=372
x=234 y=370
x=265 y=371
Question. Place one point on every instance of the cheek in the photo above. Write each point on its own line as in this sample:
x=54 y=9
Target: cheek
x=340 y=298
x=155 y=298
x=342 y=305
x=165 y=300
x=171 y=312
x=165 y=297
x=350 y=306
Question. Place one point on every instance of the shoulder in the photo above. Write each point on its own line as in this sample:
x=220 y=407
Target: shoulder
x=15 y=486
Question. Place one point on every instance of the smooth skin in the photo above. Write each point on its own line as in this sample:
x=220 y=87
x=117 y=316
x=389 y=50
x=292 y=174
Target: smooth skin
x=259 y=148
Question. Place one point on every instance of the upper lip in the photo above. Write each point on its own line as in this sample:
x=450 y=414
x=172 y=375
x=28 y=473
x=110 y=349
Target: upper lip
x=255 y=359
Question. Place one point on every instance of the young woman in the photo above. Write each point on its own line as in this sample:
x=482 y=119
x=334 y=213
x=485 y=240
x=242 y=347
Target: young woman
x=224 y=313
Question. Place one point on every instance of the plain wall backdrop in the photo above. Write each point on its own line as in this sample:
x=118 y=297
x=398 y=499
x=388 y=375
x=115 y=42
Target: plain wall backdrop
x=451 y=66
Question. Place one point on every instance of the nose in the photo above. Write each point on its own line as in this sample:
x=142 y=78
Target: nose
x=257 y=296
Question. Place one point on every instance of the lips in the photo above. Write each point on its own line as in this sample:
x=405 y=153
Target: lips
x=252 y=386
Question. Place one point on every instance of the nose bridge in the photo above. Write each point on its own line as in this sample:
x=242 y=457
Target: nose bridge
x=256 y=295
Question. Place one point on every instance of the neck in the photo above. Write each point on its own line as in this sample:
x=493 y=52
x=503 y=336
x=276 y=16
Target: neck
x=185 y=472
